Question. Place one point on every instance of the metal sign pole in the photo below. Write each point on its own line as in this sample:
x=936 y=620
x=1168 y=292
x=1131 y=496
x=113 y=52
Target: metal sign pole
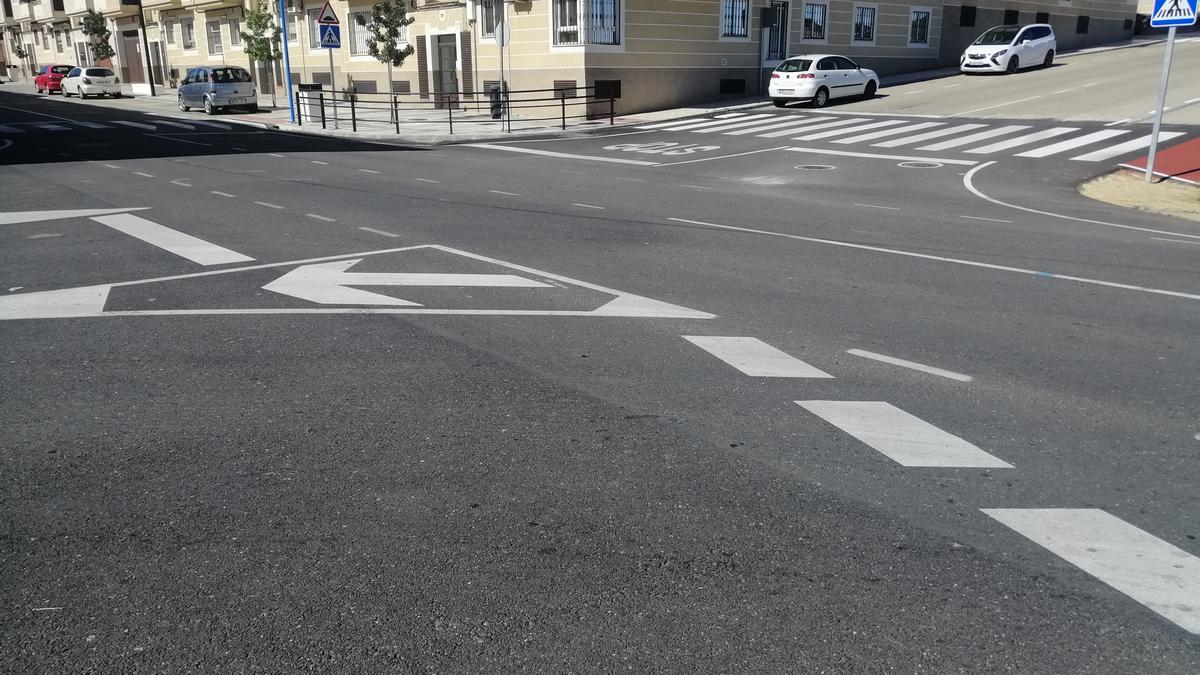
x=333 y=89
x=504 y=34
x=1162 y=103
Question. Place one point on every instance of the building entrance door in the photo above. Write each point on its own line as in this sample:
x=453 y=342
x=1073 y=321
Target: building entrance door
x=445 y=78
x=131 y=52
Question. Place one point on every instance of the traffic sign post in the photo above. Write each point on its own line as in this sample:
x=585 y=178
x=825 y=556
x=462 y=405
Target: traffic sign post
x=329 y=31
x=1167 y=13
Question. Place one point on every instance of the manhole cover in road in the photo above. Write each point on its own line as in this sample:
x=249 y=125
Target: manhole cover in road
x=816 y=167
x=919 y=165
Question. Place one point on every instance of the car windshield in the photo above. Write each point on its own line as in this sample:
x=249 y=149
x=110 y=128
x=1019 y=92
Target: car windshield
x=795 y=66
x=99 y=72
x=61 y=70
x=225 y=75
x=1000 y=35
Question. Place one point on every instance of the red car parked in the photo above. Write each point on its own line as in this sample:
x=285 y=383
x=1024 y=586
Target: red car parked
x=49 y=78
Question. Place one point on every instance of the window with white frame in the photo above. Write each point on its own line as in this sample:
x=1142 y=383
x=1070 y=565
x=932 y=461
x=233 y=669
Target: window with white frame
x=168 y=29
x=814 y=20
x=359 y=34
x=918 y=25
x=215 y=48
x=489 y=17
x=58 y=41
x=235 y=32
x=292 y=29
x=188 y=28
x=593 y=22
x=735 y=18
x=864 y=23
x=314 y=29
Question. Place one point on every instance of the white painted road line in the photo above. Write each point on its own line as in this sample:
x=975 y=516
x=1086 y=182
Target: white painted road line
x=1157 y=574
x=143 y=174
x=564 y=155
x=91 y=125
x=184 y=245
x=269 y=205
x=876 y=206
x=5 y=129
x=904 y=438
x=1072 y=143
x=375 y=231
x=930 y=135
x=823 y=125
x=874 y=135
x=275 y=154
x=688 y=125
x=136 y=125
x=966 y=140
x=317 y=217
x=998 y=105
x=791 y=127
x=1175 y=241
x=50 y=126
x=1126 y=147
x=319 y=162
x=218 y=125
x=950 y=374
x=370 y=171
x=898 y=158
x=755 y=357
x=181 y=183
x=849 y=130
x=735 y=124
x=176 y=124
x=221 y=194
x=1022 y=140
x=990 y=220
x=426 y=180
x=589 y=206
x=502 y=192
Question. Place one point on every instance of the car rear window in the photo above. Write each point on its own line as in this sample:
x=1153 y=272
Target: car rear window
x=61 y=70
x=795 y=66
x=224 y=75
x=99 y=72
x=1000 y=35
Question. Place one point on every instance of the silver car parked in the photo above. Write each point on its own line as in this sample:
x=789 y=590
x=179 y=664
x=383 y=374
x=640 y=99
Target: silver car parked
x=217 y=87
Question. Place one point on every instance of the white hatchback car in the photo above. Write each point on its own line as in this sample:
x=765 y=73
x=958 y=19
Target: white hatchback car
x=91 y=81
x=1009 y=49
x=819 y=78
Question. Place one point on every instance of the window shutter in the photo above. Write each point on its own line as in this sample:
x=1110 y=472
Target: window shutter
x=468 y=66
x=422 y=67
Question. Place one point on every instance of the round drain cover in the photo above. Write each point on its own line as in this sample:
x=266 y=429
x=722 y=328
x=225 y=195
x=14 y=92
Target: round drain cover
x=816 y=167
x=920 y=165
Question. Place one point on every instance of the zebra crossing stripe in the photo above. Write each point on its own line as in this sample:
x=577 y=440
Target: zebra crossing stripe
x=737 y=124
x=755 y=357
x=799 y=120
x=852 y=130
x=816 y=123
x=1023 y=140
x=226 y=127
x=904 y=438
x=1122 y=148
x=685 y=125
x=823 y=125
x=135 y=125
x=176 y=124
x=981 y=136
x=928 y=136
x=863 y=138
x=1072 y=143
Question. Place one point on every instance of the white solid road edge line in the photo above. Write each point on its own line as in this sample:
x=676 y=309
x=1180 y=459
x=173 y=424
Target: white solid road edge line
x=564 y=155
x=950 y=374
x=754 y=357
x=904 y=438
x=1157 y=574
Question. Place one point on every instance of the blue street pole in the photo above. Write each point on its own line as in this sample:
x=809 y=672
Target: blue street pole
x=287 y=61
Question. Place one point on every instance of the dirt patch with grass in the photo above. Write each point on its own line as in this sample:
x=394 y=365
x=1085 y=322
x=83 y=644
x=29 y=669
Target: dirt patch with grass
x=1126 y=188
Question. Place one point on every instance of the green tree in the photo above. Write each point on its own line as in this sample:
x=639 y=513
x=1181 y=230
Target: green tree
x=388 y=18
x=95 y=27
x=260 y=41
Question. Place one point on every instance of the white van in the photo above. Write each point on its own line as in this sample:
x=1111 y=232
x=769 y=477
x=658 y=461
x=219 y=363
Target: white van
x=1007 y=49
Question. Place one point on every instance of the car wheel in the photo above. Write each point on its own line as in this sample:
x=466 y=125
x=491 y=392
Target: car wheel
x=81 y=94
x=869 y=92
x=1014 y=64
x=1049 y=60
x=182 y=106
x=209 y=108
x=821 y=99
x=117 y=95
x=779 y=102
x=39 y=90
x=66 y=94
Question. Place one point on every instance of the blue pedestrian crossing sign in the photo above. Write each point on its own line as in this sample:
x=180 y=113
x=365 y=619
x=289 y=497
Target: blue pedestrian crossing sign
x=331 y=37
x=1173 y=13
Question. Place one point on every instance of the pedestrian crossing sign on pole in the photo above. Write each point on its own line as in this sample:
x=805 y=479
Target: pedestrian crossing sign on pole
x=331 y=37
x=1173 y=13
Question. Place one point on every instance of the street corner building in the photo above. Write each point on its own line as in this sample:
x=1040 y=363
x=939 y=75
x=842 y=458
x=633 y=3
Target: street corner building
x=646 y=54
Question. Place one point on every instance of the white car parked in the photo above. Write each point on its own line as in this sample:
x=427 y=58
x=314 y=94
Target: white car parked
x=91 y=81
x=1010 y=48
x=819 y=78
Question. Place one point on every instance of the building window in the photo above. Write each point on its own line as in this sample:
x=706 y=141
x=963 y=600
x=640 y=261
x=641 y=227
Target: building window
x=735 y=18
x=489 y=14
x=215 y=48
x=1081 y=25
x=966 y=16
x=82 y=54
x=58 y=41
x=918 y=25
x=292 y=30
x=777 y=46
x=314 y=29
x=601 y=22
x=814 y=20
x=168 y=30
x=188 y=28
x=864 y=24
x=235 y=32
x=58 y=6
x=1042 y=17
x=358 y=34
x=1011 y=17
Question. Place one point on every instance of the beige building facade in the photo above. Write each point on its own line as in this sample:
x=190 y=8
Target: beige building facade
x=648 y=53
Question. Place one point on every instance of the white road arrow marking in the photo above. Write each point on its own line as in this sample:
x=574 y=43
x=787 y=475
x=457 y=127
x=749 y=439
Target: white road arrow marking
x=327 y=283
x=61 y=304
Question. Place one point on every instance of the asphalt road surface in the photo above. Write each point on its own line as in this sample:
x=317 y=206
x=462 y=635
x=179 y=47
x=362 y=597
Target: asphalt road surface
x=274 y=402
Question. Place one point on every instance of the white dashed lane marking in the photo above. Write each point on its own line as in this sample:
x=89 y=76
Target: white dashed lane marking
x=912 y=365
x=755 y=357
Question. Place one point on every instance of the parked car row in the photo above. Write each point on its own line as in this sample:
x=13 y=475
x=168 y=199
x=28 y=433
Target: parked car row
x=819 y=78
x=212 y=88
